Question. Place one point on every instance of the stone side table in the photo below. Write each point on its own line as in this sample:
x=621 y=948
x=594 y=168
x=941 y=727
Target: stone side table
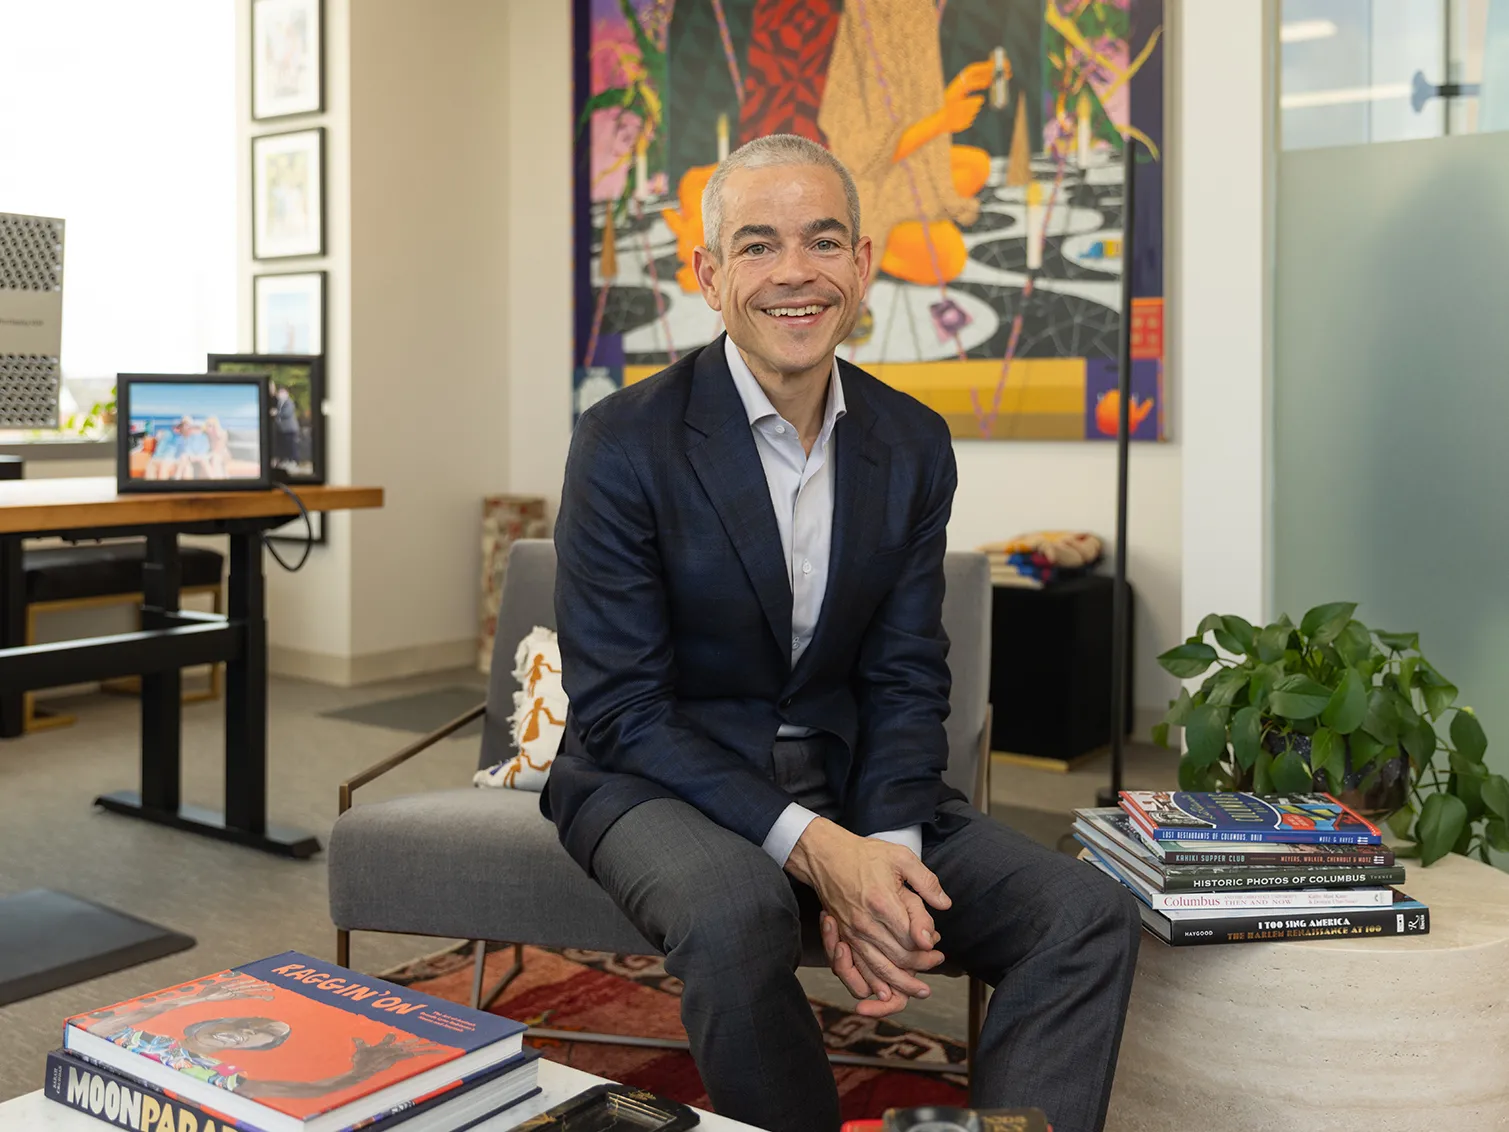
x=1387 y=1035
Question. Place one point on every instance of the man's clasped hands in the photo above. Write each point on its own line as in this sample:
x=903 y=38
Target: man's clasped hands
x=876 y=926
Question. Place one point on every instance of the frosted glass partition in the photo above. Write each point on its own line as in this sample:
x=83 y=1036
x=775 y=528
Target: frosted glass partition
x=1391 y=389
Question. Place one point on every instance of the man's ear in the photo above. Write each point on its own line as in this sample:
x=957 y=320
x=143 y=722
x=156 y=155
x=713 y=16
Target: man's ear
x=864 y=252
x=707 y=269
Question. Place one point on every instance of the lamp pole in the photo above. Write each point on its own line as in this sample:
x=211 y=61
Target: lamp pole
x=1120 y=599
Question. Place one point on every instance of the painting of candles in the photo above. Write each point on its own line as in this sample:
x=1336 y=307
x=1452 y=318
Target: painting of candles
x=989 y=140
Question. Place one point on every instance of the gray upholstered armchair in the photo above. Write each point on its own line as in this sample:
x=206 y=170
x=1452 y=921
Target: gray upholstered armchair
x=483 y=864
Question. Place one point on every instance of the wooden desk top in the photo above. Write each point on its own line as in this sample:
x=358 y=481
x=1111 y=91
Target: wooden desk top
x=71 y=504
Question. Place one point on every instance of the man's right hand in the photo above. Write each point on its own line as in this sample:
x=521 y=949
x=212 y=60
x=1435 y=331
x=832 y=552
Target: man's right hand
x=875 y=892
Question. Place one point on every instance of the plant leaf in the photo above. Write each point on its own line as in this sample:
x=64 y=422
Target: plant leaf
x=1324 y=623
x=1438 y=697
x=1354 y=643
x=1227 y=686
x=1246 y=736
x=1241 y=631
x=1347 y=706
x=1178 y=710
x=1160 y=733
x=1496 y=832
x=1228 y=642
x=1407 y=852
x=1261 y=685
x=1262 y=779
x=1272 y=642
x=1381 y=721
x=1209 y=622
x=1469 y=788
x=1400 y=820
x=1363 y=749
x=1467 y=734
x=1398 y=642
x=1298 y=697
x=1496 y=795
x=1420 y=741
x=1188 y=659
x=1193 y=777
x=1327 y=751
x=1205 y=735
x=1291 y=775
x=1442 y=820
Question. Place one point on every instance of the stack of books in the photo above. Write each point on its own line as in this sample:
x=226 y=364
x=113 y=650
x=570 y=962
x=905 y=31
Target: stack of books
x=290 y=1044
x=1243 y=868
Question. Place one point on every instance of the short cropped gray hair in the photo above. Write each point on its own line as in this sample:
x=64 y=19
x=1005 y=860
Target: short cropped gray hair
x=773 y=149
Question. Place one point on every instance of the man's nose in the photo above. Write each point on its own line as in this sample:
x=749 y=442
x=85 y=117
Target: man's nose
x=794 y=266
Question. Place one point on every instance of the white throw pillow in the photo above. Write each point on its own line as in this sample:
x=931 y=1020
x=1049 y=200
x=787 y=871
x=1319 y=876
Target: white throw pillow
x=539 y=715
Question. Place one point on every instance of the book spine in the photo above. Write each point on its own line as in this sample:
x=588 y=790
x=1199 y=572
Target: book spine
x=1280 y=836
x=124 y=1102
x=1258 y=877
x=1299 y=899
x=1383 y=858
x=1272 y=927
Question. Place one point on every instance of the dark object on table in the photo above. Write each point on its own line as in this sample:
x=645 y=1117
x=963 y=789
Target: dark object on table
x=613 y=1108
x=1050 y=671
x=296 y=409
x=939 y=1118
x=185 y=433
x=50 y=940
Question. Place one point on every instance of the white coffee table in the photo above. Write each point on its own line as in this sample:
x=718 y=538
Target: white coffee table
x=35 y=1113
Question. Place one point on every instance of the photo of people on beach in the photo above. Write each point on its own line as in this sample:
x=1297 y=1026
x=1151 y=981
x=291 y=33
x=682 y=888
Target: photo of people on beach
x=194 y=431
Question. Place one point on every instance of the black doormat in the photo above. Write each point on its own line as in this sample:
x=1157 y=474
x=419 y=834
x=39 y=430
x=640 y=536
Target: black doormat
x=50 y=940
x=419 y=712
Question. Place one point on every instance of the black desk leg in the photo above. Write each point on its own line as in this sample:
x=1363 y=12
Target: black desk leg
x=244 y=820
x=12 y=628
x=161 y=692
x=246 y=692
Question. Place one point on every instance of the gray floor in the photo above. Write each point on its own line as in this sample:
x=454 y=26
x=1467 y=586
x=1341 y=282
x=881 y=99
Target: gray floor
x=242 y=905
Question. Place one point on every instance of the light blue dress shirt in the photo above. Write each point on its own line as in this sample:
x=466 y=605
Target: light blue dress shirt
x=801 y=491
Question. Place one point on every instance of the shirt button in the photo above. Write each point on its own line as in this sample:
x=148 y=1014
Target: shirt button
x=806 y=566
x=796 y=642
x=780 y=429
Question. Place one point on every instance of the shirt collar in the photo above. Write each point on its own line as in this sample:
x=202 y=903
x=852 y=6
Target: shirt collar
x=757 y=405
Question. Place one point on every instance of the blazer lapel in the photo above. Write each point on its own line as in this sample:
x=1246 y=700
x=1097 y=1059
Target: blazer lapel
x=722 y=452
x=861 y=469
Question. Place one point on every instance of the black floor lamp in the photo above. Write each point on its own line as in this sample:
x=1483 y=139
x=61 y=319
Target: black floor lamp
x=1120 y=599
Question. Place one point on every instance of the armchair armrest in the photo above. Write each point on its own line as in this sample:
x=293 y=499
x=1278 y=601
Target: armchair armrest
x=377 y=770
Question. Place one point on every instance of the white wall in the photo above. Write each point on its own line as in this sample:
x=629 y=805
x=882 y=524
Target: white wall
x=1004 y=488
x=416 y=203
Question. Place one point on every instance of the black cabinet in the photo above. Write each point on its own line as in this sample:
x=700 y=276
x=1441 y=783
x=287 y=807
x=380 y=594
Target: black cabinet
x=1050 y=669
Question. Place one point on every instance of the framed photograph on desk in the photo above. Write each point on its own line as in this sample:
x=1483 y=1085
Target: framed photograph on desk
x=295 y=407
x=288 y=194
x=193 y=432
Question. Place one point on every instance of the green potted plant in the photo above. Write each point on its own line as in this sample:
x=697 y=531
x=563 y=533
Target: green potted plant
x=1332 y=705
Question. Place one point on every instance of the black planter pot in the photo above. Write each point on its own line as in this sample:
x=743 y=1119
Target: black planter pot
x=1385 y=794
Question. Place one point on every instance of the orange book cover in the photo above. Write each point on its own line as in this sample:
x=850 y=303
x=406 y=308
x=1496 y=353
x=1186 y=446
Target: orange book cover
x=291 y=1033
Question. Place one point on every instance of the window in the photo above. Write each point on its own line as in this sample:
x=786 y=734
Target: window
x=121 y=119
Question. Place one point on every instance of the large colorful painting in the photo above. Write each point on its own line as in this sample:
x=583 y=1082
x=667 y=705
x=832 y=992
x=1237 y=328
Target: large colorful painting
x=988 y=139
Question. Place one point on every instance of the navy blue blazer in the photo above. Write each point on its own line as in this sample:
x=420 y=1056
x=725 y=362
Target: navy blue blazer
x=673 y=609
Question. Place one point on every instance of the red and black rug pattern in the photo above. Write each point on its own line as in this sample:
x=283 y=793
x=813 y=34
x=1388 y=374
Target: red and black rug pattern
x=598 y=992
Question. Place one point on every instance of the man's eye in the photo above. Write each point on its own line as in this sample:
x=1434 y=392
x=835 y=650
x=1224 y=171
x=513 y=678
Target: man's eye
x=826 y=245
x=755 y=249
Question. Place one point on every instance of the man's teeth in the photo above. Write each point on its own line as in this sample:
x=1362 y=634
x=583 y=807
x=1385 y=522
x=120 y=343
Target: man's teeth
x=794 y=312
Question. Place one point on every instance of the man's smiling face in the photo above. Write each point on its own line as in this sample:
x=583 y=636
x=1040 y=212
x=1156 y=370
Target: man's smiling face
x=791 y=276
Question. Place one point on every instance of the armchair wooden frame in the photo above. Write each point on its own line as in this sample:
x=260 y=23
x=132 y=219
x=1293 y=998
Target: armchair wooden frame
x=481 y=999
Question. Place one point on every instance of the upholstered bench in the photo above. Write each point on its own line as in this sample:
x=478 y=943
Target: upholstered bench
x=87 y=575
x=1383 y=1034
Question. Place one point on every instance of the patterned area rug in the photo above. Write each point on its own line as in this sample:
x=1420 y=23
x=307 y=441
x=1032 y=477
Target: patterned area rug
x=599 y=992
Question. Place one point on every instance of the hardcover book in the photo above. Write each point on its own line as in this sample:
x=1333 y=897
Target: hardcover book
x=124 y=1102
x=293 y=1044
x=1304 y=819
x=1110 y=829
x=1185 y=927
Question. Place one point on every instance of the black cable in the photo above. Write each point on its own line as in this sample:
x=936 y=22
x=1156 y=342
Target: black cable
x=308 y=533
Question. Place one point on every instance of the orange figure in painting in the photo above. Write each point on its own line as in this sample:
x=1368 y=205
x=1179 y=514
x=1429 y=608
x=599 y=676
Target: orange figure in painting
x=1108 y=410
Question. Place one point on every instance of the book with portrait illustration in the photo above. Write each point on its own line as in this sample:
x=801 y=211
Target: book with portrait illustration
x=293 y=1044
x=1299 y=819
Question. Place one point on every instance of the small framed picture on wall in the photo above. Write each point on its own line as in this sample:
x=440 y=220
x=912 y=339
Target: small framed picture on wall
x=288 y=313
x=288 y=194
x=296 y=409
x=287 y=58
